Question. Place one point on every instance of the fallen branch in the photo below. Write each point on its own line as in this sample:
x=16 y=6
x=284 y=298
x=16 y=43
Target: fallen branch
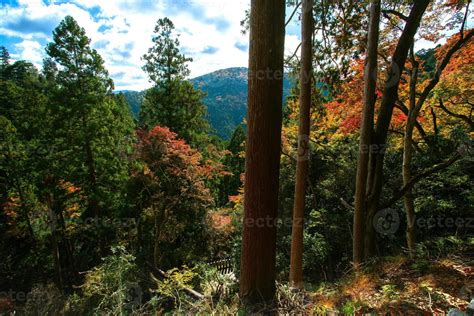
x=163 y=275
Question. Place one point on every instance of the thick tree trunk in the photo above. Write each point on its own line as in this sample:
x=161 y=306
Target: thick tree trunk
x=267 y=33
x=390 y=96
x=366 y=130
x=296 y=263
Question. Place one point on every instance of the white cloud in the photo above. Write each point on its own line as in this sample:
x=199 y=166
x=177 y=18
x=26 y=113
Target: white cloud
x=31 y=51
x=121 y=31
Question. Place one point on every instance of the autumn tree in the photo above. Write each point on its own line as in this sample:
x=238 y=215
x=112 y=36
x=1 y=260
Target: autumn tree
x=170 y=192
x=416 y=104
x=389 y=97
x=262 y=157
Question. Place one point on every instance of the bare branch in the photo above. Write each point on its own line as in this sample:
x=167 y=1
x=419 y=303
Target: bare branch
x=443 y=165
x=293 y=14
x=294 y=54
x=396 y=13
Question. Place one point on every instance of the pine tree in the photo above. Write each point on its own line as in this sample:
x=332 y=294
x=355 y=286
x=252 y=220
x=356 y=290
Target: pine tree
x=4 y=57
x=92 y=127
x=173 y=101
x=234 y=163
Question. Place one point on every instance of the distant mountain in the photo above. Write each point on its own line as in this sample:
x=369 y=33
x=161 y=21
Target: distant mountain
x=226 y=98
x=134 y=99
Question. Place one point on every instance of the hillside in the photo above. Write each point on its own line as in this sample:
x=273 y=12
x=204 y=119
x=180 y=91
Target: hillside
x=134 y=99
x=226 y=98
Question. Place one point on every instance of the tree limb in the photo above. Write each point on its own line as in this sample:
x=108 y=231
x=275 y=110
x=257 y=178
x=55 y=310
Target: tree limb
x=460 y=116
x=293 y=14
x=294 y=54
x=402 y=107
x=443 y=165
x=396 y=13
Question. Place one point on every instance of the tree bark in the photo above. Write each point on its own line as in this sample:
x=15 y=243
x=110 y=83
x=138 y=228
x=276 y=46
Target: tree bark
x=366 y=130
x=54 y=240
x=407 y=157
x=264 y=118
x=296 y=261
x=390 y=96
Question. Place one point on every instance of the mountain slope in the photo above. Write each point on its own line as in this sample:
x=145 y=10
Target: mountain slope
x=226 y=98
x=134 y=99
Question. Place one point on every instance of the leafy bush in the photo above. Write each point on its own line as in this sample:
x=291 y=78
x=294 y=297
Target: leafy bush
x=111 y=287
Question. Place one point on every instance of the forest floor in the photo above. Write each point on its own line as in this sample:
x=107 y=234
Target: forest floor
x=398 y=285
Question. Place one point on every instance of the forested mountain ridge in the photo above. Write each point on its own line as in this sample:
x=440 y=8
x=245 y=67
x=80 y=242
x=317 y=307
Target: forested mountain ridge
x=226 y=98
x=134 y=100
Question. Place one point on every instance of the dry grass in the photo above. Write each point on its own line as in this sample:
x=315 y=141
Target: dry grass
x=398 y=285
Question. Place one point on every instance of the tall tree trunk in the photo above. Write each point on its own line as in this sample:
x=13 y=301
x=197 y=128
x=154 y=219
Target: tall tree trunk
x=68 y=247
x=160 y=220
x=25 y=212
x=296 y=263
x=366 y=130
x=264 y=117
x=390 y=96
x=54 y=240
x=407 y=157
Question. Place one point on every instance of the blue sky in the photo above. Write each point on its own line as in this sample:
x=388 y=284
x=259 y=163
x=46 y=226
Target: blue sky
x=121 y=31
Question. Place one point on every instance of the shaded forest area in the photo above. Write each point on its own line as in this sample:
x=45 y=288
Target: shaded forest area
x=353 y=195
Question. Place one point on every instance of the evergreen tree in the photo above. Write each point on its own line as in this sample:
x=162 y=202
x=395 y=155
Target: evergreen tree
x=173 y=101
x=4 y=57
x=4 y=60
x=91 y=126
x=235 y=164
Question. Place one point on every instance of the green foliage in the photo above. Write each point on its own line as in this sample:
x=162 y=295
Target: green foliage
x=69 y=153
x=349 y=308
x=226 y=98
x=215 y=285
x=4 y=58
x=173 y=101
x=234 y=163
x=134 y=100
x=89 y=121
x=44 y=300
x=177 y=105
x=171 y=287
x=390 y=291
x=164 y=62
x=112 y=285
